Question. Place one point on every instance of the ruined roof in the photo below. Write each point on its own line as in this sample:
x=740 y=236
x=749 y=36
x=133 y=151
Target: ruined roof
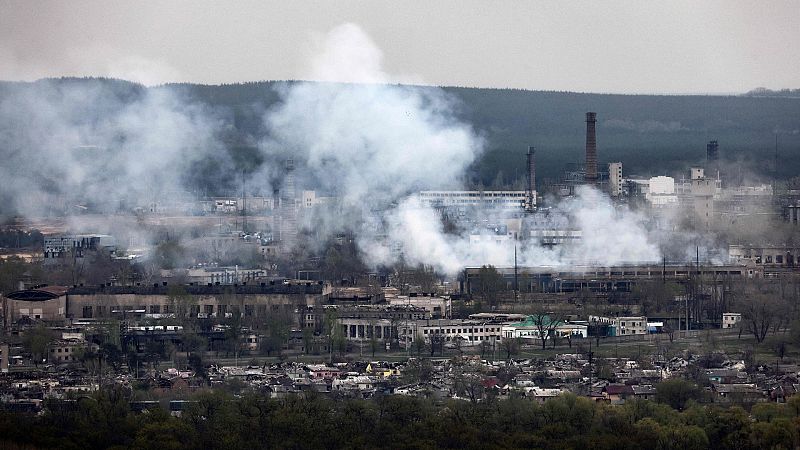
x=618 y=389
x=38 y=294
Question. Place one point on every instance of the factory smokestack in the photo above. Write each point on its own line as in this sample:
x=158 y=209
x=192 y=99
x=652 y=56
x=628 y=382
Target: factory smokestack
x=530 y=191
x=712 y=151
x=288 y=224
x=712 y=158
x=591 y=149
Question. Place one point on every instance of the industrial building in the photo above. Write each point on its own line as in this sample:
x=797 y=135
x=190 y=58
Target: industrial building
x=602 y=279
x=615 y=179
x=508 y=200
x=301 y=301
x=77 y=245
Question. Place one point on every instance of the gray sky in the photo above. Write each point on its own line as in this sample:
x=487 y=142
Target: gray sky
x=634 y=46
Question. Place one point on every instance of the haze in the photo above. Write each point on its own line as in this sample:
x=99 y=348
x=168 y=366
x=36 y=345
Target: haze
x=612 y=46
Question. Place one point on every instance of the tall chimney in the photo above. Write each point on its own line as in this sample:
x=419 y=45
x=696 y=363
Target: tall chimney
x=712 y=151
x=288 y=213
x=530 y=194
x=591 y=149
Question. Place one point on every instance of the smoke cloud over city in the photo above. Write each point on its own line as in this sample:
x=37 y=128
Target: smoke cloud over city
x=372 y=146
x=81 y=144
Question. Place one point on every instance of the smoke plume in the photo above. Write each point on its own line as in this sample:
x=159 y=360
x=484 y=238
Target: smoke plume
x=375 y=144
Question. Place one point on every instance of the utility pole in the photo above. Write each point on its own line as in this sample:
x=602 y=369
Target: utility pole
x=775 y=167
x=516 y=282
x=590 y=366
x=244 y=205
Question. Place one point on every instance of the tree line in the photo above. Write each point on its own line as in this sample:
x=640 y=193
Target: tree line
x=220 y=420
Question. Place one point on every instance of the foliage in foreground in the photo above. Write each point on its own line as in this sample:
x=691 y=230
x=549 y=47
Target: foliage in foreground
x=218 y=420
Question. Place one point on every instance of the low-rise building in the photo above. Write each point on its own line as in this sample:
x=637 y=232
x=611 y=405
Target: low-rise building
x=731 y=320
x=467 y=331
x=626 y=326
x=533 y=327
x=437 y=307
x=77 y=245
x=67 y=350
x=765 y=255
x=48 y=303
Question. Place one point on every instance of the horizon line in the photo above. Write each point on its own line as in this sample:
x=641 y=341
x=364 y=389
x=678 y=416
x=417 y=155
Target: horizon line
x=389 y=83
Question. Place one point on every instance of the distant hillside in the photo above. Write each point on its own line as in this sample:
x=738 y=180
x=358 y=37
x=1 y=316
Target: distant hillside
x=649 y=134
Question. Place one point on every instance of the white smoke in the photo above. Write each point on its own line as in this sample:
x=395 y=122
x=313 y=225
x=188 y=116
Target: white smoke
x=372 y=145
x=100 y=143
x=375 y=144
x=610 y=235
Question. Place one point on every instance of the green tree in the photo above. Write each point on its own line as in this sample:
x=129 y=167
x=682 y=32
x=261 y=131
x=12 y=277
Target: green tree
x=12 y=271
x=511 y=346
x=192 y=342
x=677 y=392
x=419 y=343
x=36 y=341
x=490 y=285
x=170 y=254
x=308 y=339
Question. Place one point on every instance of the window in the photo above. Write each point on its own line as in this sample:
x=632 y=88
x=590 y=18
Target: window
x=208 y=309
x=779 y=259
x=87 y=312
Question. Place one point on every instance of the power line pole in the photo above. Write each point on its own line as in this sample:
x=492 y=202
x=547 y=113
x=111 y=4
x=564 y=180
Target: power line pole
x=244 y=205
x=516 y=281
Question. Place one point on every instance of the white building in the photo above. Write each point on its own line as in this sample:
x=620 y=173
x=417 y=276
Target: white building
x=661 y=191
x=489 y=238
x=563 y=330
x=469 y=332
x=615 y=179
x=310 y=199
x=495 y=199
x=626 y=326
x=438 y=307
x=731 y=320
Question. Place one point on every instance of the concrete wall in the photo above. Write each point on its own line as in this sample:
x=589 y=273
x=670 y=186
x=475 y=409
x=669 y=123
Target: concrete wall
x=49 y=310
x=99 y=305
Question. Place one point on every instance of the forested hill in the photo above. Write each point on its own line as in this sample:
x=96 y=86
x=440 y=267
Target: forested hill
x=650 y=134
